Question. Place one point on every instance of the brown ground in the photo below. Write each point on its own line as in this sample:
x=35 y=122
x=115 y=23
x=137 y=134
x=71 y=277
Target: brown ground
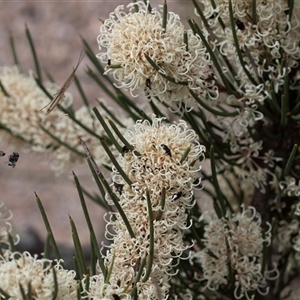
x=55 y=27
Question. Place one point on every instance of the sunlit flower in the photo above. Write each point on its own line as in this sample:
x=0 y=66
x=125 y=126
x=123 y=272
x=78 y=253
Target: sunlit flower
x=236 y=242
x=22 y=269
x=129 y=37
x=156 y=164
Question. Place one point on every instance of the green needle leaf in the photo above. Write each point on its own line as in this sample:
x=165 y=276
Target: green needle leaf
x=55 y=292
x=4 y=294
x=77 y=244
x=81 y=92
x=237 y=46
x=121 y=137
x=165 y=14
x=185 y=154
x=216 y=184
x=24 y=297
x=4 y=90
x=290 y=161
x=138 y=277
x=162 y=205
x=212 y=54
x=107 y=130
x=213 y=111
x=115 y=162
x=13 y=50
x=109 y=272
x=72 y=149
x=48 y=228
x=32 y=47
x=115 y=199
x=151 y=238
x=109 y=113
x=254 y=21
x=90 y=225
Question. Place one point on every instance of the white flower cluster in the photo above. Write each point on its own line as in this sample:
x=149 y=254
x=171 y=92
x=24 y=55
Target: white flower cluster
x=129 y=37
x=272 y=36
x=266 y=39
x=290 y=187
x=156 y=164
x=21 y=114
x=21 y=270
x=20 y=111
x=234 y=244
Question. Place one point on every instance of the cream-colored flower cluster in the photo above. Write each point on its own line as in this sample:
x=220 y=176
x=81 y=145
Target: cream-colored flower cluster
x=290 y=187
x=22 y=270
x=20 y=113
x=157 y=163
x=234 y=244
x=269 y=43
x=129 y=37
x=264 y=41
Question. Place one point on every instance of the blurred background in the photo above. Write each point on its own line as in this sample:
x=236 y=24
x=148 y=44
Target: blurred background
x=56 y=27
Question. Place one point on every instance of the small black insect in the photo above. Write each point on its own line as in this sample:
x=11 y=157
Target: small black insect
x=119 y=187
x=2 y=153
x=148 y=83
x=109 y=62
x=240 y=25
x=166 y=149
x=177 y=196
x=125 y=150
x=12 y=159
x=116 y=297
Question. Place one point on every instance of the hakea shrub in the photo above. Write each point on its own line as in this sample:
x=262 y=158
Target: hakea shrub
x=158 y=166
x=230 y=83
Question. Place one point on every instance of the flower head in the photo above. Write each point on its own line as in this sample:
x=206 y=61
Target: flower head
x=160 y=161
x=20 y=110
x=21 y=114
x=129 y=37
x=21 y=269
x=265 y=40
x=235 y=242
